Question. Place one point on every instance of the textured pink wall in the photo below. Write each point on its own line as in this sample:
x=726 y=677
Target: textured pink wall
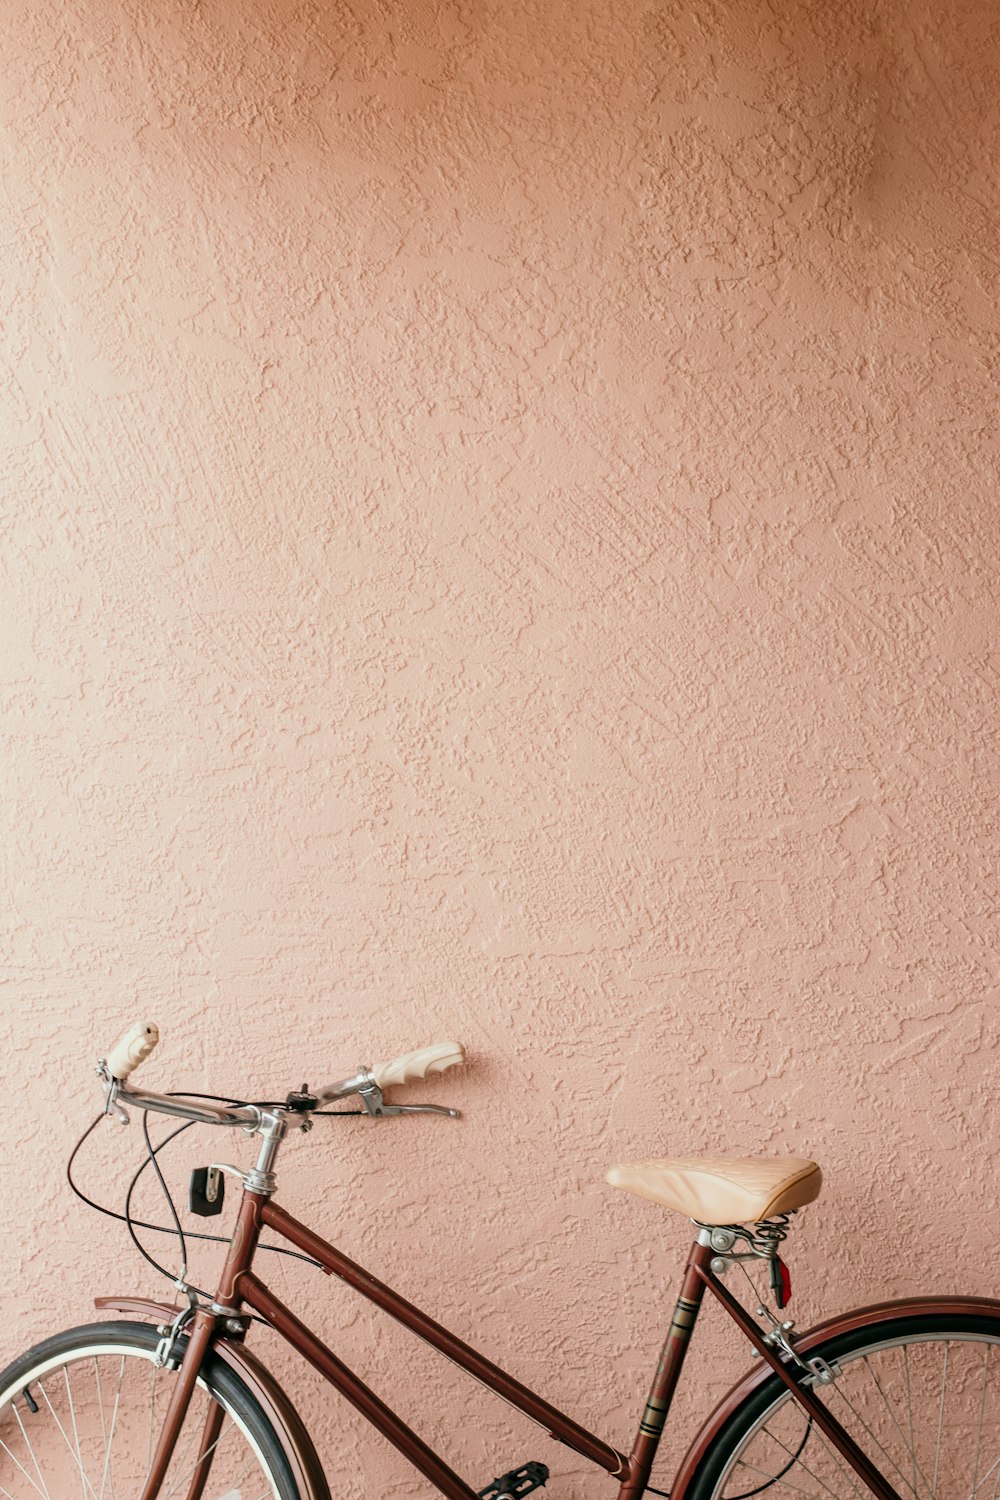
x=500 y=541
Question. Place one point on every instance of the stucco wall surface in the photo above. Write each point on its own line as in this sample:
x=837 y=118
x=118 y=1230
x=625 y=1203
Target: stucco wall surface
x=499 y=541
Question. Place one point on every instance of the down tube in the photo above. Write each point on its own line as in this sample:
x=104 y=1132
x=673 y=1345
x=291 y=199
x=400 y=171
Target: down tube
x=555 y=1422
x=262 y=1300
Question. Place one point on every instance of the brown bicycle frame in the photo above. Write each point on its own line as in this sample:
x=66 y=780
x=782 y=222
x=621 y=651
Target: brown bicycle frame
x=239 y=1285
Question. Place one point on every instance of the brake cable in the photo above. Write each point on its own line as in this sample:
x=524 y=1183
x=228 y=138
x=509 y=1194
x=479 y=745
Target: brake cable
x=132 y=1223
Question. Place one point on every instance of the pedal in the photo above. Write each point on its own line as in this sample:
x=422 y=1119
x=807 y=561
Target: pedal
x=517 y=1483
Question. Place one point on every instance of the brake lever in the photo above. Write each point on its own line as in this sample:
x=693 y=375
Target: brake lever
x=371 y=1097
x=112 y=1104
x=420 y=1109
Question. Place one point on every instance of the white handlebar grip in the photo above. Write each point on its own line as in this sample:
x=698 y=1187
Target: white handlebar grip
x=134 y=1047
x=418 y=1064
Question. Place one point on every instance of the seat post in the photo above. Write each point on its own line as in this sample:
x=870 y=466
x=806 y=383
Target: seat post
x=668 y=1371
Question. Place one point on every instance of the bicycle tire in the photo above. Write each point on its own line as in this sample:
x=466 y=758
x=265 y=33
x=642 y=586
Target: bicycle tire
x=98 y=1400
x=920 y=1395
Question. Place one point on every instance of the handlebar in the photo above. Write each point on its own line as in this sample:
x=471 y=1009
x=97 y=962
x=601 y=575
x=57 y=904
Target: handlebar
x=139 y=1041
x=196 y=1110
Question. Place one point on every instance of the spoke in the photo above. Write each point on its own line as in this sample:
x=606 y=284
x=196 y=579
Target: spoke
x=845 y=1467
x=741 y=1463
x=41 y=1386
x=200 y=1460
x=928 y=1418
x=30 y=1447
x=108 y=1473
x=944 y=1383
x=76 y=1433
x=832 y=1452
x=895 y=1420
x=909 y=1412
x=114 y=1418
x=104 y=1427
x=246 y=1474
x=982 y=1407
x=876 y=1440
x=179 y=1455
x=791 y=1454
x=995 y=1465
x=3 y=1445
x=79 y=1401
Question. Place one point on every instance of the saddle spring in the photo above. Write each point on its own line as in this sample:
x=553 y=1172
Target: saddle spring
x=769 y=1234
x=762 y=1240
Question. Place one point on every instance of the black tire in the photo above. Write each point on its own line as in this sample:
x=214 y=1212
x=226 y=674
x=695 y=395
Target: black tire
x=77 y=1411
x=920 y=1395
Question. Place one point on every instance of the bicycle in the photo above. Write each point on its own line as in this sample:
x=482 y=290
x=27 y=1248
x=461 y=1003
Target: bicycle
x=895 y=1400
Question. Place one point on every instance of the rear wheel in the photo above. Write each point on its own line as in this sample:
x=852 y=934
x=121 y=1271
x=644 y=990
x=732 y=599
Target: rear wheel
x=920 y=1396
x=81 y=1412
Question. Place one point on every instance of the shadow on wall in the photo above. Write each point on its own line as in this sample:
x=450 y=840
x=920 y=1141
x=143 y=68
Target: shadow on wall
x=503 y=547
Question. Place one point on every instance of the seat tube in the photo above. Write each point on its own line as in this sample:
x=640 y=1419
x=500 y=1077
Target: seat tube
x=675 y=1347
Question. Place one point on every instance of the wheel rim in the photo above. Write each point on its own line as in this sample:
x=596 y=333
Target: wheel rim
x=98 y=1413
x=925 y=1408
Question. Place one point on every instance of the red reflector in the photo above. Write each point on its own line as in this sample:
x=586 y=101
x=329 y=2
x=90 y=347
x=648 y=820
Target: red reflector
x=781 y=1281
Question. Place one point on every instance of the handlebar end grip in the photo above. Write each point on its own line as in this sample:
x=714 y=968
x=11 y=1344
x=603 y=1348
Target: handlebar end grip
x=418 y=1064
x=133 y=1048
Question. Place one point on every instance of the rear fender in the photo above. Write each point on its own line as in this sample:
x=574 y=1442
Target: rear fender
x=277 y=1407
x=871 y=1317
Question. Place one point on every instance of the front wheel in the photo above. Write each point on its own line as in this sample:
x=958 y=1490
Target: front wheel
x=80 y=1414
x=920 y=1395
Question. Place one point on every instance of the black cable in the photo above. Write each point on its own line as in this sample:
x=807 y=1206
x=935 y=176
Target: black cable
x=167 y=1194
x=109 y=1213
x=791 y=1462
x=218 y=1239
x=316 y=1114
x=132 y=1224
x=162 y=1228
x=761 y=1487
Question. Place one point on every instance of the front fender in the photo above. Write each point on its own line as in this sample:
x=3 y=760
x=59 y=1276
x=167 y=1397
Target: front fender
x=277 y=1407
x=871 y=1317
